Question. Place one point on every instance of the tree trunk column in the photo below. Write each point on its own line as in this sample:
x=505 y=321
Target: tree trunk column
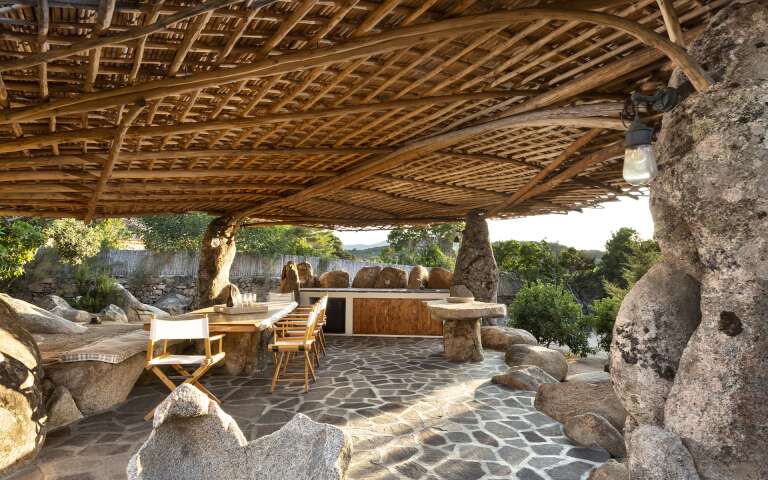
x=216 y=257
x=475 y=264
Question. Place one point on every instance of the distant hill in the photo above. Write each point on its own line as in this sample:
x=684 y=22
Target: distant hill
x=364 y=246
x=367 y=252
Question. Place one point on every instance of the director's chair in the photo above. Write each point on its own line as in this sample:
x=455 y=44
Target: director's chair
x=186 y=329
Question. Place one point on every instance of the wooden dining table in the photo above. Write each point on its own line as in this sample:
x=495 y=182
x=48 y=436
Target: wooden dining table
x=241 y=322
x=247 y=335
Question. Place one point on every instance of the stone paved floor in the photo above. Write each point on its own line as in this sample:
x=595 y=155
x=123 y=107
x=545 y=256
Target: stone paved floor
x=411 y=415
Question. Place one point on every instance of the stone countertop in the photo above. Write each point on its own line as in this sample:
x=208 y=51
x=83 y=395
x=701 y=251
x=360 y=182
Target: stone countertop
x=463 y=311
x=375 y=290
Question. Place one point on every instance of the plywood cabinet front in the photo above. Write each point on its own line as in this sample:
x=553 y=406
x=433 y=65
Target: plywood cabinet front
x=401 y=316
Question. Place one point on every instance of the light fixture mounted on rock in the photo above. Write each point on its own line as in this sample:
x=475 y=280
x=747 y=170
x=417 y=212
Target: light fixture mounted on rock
x=639 y=159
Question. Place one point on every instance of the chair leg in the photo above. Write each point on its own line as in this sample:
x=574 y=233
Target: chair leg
x=276 y=375
x=167 y=382
x=317 y=357
x=196 y=383
x=311 y=367
x=307 y=362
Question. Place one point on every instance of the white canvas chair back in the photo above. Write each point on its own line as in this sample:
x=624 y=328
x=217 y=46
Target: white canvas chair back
x=188 y=328
x=280 y=297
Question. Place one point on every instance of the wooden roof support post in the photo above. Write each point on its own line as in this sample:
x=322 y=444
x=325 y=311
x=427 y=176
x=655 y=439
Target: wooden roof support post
x=114 y=151
x=518 y=196
x=672 y=22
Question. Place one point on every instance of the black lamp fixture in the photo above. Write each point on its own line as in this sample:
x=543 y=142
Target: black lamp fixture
x=639 y=160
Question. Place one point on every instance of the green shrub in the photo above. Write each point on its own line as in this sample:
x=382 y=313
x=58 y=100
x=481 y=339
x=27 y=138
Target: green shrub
x=73 y=240
x=19 y=241
x=552 y=315
x=95 y=288
x=603 y=316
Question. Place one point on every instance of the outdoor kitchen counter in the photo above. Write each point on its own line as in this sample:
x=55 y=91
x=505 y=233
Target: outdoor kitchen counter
x=378 y=311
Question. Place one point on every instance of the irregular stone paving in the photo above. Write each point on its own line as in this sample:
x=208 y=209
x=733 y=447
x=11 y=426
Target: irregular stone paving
x=411 y=414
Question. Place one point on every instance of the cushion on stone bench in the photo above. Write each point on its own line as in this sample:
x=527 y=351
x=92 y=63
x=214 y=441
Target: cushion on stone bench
x=109 y=350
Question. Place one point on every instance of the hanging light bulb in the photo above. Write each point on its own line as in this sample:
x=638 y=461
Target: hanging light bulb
x=639 y=160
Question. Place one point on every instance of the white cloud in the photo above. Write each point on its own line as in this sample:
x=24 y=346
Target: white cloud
x=587 y=230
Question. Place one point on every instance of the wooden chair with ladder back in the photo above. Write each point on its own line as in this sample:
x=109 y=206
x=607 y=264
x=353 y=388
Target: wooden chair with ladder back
x=295 y=336
x=298 y=315
x=195 y=328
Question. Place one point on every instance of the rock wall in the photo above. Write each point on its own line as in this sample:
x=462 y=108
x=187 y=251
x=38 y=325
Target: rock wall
x=710 y=208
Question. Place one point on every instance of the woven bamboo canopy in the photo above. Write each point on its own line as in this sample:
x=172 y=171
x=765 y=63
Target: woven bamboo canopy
x=347 y=113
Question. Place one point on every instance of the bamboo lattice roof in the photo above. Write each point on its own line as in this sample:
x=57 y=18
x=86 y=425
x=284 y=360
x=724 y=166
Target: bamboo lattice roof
x=321 y=112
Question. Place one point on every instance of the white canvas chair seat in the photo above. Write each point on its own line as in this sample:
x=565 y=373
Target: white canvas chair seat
x=162 y=330
x=186 y=359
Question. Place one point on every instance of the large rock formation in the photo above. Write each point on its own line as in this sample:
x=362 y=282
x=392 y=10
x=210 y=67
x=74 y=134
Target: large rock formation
x=654 y=324
x=37 y=320
x=551 y=361
x=133 y=308
x=592 y=430
x=289 y=280
x=62 y=409
x=710 y=209
x=97 y=386
x=501 y=338
x=334 y=279
x=60 y=307
x=216 y=257
x=391 y=277
x=475 y=265
x=440 y=278
x=562 y=401
x=418 y=278
x=174 y=303
x=524 y=377
x=193 y=438
x=22 y=409
x=366 y=277
x=306 y=275
x=657 y=454
x=112 y=313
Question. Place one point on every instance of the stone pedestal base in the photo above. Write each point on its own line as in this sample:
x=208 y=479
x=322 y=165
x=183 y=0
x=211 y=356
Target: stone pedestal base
x=461 y=340
x=246 y=352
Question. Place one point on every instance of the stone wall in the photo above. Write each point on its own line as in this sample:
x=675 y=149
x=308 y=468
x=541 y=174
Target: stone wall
x=151 y=276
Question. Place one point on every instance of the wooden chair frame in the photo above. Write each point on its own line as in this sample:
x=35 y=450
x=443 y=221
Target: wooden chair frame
x=194 y=377
x=296 y=334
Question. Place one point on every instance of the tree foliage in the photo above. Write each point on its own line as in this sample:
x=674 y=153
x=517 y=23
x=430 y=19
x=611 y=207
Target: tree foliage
x=552 y=315
x=430 y=246
x=75 y=241
x=19 y=241
x=171 y=233
x=617 y=252
x=641 y=256
x=551 y=263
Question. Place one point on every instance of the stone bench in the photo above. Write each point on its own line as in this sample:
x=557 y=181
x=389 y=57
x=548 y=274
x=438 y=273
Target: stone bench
x=99 y=368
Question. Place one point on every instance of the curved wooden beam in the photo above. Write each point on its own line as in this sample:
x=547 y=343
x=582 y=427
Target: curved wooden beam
x=584 y=116
x=106 y=133
x=126 y=36
x=362 y=47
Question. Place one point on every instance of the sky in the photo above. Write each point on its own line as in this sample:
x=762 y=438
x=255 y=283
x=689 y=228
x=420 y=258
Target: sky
x=588 y=230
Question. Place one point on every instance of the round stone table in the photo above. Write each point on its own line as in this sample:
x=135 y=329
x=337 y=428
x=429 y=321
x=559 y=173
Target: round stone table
x=461 y=327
